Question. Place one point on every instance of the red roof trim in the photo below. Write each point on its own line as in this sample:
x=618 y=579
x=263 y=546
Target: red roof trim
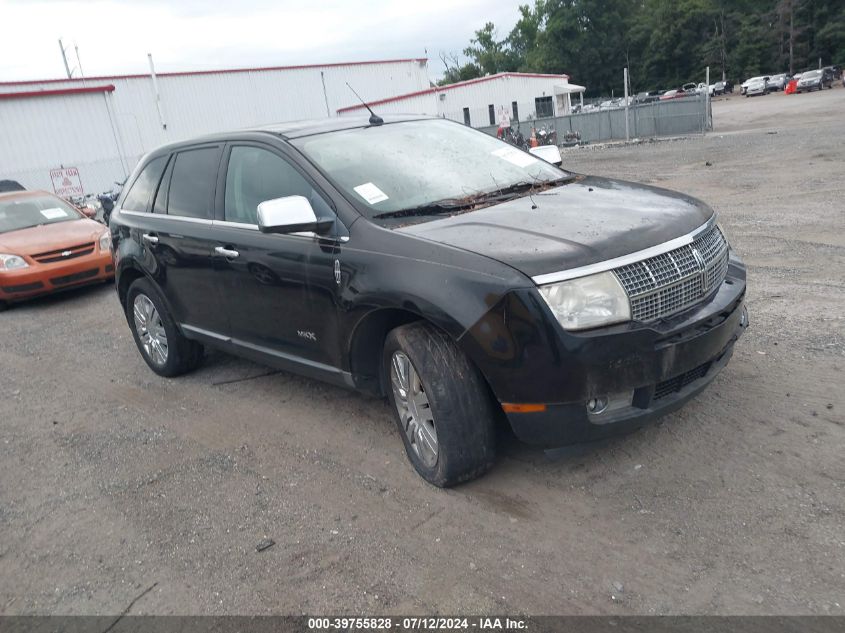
x=56 y=93
x=459 y=84
x=188 y=73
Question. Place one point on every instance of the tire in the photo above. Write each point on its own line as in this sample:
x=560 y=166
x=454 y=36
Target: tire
x=454 y=397
x=3 y=306
x=181 y=355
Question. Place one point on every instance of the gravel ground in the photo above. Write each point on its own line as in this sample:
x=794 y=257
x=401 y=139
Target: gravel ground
x=117 y=485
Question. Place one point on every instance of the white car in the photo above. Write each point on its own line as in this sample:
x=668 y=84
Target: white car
x=756 y=86
x=744 y=85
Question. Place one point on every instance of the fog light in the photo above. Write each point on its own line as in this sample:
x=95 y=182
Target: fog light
x=611 y=402
x=597 y=405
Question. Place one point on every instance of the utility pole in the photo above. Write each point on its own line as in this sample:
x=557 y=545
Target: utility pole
x=325 y=95
x=155 y=89
x=78 y=61
x=64 y=58
x=627 y=133
x=707 y=99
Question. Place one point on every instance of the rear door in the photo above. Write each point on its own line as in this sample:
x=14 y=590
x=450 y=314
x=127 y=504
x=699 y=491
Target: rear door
x=180 y=237
x=280 y=290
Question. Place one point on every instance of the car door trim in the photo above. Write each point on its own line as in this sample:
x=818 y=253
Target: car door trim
x=179 y=218
x=345 y=376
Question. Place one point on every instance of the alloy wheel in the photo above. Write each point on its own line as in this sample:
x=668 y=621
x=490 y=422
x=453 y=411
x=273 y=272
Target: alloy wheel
x=150 y=329
x=413 y=408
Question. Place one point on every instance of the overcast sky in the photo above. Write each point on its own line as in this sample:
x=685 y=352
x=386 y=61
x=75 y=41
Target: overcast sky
x=114 y=36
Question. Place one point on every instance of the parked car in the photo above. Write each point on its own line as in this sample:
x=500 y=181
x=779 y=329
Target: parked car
x=777 y=82
x=673 y=94
x=692 y=87
x=648 y=96
x=717 y=88
x=10 y=185
x=815 y=80
x=756 y=87
x=47 y=245
x=441 y=280
x=743 y=87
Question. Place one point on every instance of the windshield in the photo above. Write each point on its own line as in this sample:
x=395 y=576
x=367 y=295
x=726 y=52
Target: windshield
x=23 y=213
x=811 y=74
x=405 y=166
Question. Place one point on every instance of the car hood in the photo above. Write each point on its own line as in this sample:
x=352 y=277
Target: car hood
x=586 y=221
x=50 y=237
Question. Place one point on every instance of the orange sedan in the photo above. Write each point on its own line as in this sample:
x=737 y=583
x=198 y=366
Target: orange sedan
x=47 y=245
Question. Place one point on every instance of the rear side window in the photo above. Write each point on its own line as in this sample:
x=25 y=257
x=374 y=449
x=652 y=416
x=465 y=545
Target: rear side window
x=192 y=183
x=138 y=198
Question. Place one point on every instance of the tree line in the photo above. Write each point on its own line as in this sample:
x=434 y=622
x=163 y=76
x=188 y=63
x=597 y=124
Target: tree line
x=664 y=43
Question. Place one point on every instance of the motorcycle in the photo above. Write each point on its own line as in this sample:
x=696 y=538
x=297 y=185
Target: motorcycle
x=107 y=200
x=546 y=136
x=571 y=138
x=513 y=136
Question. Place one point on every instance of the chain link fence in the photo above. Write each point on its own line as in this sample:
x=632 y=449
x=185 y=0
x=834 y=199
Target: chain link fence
x=672 y=117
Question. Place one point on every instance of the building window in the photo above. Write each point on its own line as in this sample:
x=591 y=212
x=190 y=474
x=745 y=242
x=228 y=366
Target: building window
x=466 y=116
x=545 y=107
x=515 y=110
x=492 y=112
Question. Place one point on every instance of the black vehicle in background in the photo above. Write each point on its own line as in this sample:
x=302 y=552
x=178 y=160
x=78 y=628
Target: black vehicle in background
x=465 y=280
x=10 y=185
x=815 y=80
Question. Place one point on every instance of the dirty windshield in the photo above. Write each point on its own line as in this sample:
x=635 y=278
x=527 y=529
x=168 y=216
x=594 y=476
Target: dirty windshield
x=425 y=167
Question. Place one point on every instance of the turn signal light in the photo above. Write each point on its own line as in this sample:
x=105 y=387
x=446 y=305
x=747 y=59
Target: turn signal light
x=523 y=408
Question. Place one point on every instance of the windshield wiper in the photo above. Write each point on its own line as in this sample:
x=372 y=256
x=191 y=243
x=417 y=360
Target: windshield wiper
x=451 y=205
x=526 y=185
x=432 y=208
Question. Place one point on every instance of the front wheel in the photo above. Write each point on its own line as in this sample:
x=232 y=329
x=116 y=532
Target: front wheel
x=441 y=403
x=164 y=348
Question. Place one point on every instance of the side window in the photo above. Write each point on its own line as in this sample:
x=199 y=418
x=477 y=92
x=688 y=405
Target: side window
x=255 y=175
x=191 y=192
x=138 y=198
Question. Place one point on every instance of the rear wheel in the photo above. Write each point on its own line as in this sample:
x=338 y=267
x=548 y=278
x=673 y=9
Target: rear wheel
x=3 y=305
x=162 y=345
x=441 y=403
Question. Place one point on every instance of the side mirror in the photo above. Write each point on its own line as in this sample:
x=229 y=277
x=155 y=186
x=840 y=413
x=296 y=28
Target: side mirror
x=292 y=214
x=549 y=153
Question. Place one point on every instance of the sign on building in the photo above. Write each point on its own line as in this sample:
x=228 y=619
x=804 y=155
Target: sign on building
x=66 y=182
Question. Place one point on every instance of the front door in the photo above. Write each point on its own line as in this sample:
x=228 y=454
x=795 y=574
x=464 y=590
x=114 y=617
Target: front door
x=280 y=290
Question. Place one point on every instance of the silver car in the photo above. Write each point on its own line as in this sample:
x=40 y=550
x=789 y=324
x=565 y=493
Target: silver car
x=777 y=82
x=756 y=86
x=744 y=85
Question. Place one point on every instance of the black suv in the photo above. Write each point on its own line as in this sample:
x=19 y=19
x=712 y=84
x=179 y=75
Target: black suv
x=422 y=260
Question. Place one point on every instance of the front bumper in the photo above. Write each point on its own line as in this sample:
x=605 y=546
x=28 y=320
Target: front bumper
x=42 y=279
x=562 y=424
x=659 y=366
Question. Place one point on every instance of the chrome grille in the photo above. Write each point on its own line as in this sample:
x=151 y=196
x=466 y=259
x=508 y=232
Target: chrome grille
x=667 y=283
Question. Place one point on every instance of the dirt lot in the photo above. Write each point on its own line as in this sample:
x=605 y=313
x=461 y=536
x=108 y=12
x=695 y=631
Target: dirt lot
x=114 y=481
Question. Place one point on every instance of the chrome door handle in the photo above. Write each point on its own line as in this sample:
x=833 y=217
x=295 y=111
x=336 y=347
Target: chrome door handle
x=149 y=238
x=225 y=252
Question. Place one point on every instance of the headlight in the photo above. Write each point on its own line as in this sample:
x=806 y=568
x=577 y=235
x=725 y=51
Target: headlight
x=588 y=302
x=12 y=262
x=105 y=240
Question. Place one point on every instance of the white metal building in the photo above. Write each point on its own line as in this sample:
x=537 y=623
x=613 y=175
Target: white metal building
x=478 y=102
x=103 y=125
